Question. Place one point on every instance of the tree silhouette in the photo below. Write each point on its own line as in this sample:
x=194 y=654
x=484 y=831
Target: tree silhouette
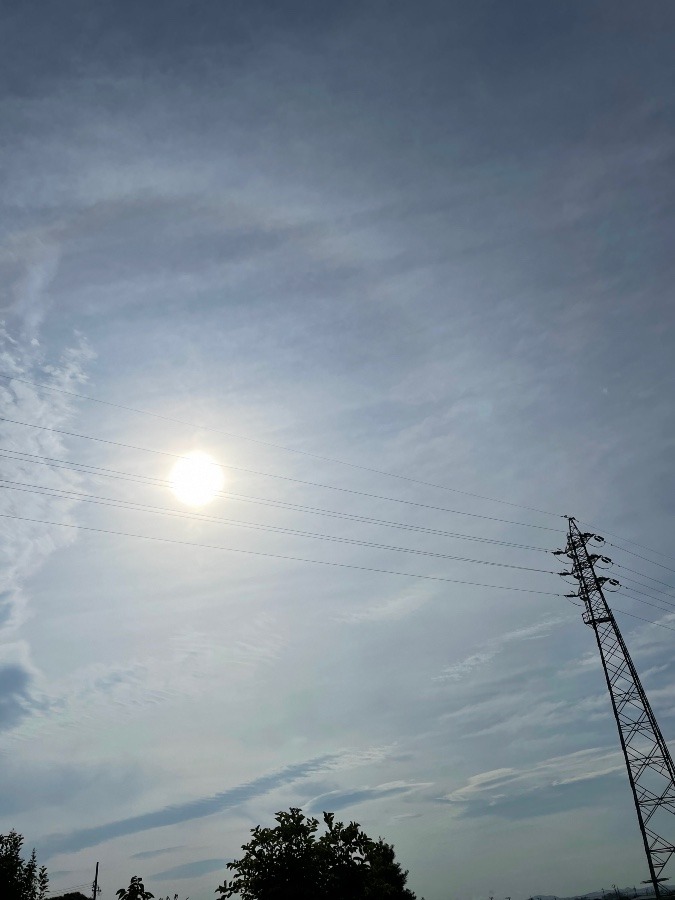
x=289 y=862
x=20 y=880
x=72 y=895
x=135 y=891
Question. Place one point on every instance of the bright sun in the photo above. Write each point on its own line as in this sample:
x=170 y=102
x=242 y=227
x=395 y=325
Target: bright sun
x=196 y=478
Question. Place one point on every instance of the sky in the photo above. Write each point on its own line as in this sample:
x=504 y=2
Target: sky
x=405 y=271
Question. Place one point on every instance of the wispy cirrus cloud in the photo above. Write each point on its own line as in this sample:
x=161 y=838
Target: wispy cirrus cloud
x=122 y=691
x=548 y=786
x=16 y=678
x=463 y=667
x=25 y=546
x=335 y=800
x=27 y=786
x=206 y=806
x=397 y=606
x=151 y=854
x=192 y=869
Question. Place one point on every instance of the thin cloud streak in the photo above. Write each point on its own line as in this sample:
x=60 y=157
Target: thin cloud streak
x=196 y=809
x=492 y=648
x=518 y=792
x=150 y=854
x=192 y=869
x=334 y=800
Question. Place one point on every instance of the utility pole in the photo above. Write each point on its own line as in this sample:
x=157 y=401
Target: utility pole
x=95 y=888
x=651 y=773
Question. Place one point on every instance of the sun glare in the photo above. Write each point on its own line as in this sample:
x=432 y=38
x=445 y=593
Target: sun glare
x=196 y=479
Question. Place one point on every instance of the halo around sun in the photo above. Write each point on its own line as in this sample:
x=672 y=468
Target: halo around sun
x=196 y=479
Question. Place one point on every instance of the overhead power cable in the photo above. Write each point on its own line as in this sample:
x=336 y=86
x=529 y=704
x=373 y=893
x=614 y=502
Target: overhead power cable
x=68 y=890
x=294 y=507
x=83 y=468
x=648 y=621
x=261 y=553
x=665 y=609
x=276 y=446
x=626 y=540
x=625 y=613
x=650 y=597
x=639 y=556
x=281 y=504
x=88 y=469
x=646 y=589
x=163 y=511
x=642 y=575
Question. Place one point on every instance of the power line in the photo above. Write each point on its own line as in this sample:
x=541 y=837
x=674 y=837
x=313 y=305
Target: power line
x=634 y=543
x=331 y=487
x=645 y=588
x=653 y=562
x=330 y=459
x=666 y=609
x=275 y=504
x=318 y=562
x=67 y=890
x=648 y=621
x=642 y=575
x=83 y=468
x=142 y=507
x=284 y=504
x=649 y=603
x=650 y=598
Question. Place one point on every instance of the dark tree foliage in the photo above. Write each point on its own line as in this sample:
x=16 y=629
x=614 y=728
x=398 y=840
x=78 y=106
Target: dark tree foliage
x=135 y=891
x=289 y=862
x=20 y=880
x=73 y=895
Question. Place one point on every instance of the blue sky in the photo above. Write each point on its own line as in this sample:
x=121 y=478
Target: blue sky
x=431 y=240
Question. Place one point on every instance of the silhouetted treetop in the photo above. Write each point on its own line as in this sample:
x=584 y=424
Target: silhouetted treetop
x=290 y=862
x=72 y=895
x=20 y=879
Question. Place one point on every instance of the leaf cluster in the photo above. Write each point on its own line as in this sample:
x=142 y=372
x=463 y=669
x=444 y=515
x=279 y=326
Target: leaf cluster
x=135 y=891
x=72 y=895
x=290 y=862
x=20 y=879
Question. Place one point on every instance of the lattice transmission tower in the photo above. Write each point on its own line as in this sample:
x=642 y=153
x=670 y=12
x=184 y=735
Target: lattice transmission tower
x=650 y=767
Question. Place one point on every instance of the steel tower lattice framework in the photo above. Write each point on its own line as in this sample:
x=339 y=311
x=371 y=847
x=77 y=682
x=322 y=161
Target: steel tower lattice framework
x=650 y=767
